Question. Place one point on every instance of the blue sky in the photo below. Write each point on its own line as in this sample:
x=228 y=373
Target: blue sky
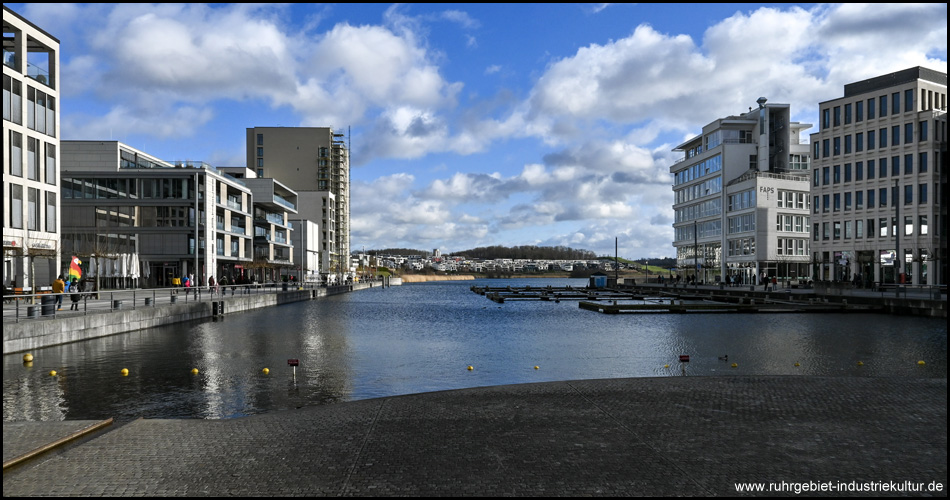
x=473 y=124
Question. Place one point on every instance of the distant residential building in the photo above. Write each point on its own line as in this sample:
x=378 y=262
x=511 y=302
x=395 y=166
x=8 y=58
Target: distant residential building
x=305 y=236
x=314 y=162
x=163 y=220
x=879 y=181
x=31 y=215
x=741 y=199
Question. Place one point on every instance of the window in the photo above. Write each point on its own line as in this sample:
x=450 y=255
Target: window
x=16 y=154
x=815 y=206
x=896 y=135
x=882 y=197
x=51 y=212
x=908 y=225
x=847 y=201
x=260 y=139
x=908 y=194
x=882 y=134
x=837 y=116
x=837 y=205
x=895 y=165
x=859 y=142
x=847 y=172
x=922 y=162
x=837 y=173
x=883 y=169
x=883 y=106
x=859 y=171
x=837 y=229
x=882 y=227
x=826 y=175
x=51 y=164
x=870 y=139
x=922 y=194
x=826 y=231
x=32 y=158
x=908 y=133
x=837 y=146
x=859 y=111
x=896 y=104
x=33 y=209
x=870 y=169
x=16 y=206
x=847 y=144
x=848 y=234
x=870 y=198
x=859 y=200
x=825 y=148
x=816 y=178
x=847 y=113
x=859 y=228
x=825 y=119
x=908 y=164
x=871 y=108
x=922 y=224
x=922 y=129
x=870 y=228
x=908 y=100
x=825 y=203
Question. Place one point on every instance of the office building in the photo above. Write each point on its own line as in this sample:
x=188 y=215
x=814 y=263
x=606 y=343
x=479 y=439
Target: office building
x=31 y=215
x=879 y=181
x=136 y=220
x=741 y=199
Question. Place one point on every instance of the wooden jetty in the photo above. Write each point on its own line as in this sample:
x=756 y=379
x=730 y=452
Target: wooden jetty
x=553 y=294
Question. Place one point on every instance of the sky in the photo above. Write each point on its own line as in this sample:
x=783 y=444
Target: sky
x=473 y=125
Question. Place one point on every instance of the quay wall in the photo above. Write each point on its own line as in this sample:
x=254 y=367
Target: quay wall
x=419 y=278
x=29 y=335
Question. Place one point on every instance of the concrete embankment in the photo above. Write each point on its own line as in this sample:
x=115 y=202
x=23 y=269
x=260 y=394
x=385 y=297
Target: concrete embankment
x=29 y=335
x=420 y=278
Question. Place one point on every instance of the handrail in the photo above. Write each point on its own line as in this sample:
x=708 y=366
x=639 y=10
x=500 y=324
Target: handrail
x=44 y=305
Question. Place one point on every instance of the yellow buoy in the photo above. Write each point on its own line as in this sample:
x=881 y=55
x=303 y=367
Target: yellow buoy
x=535 y=367
x=194 y=371
x=860 y=363
x=666 y=366
x=470 y=368
x=52 y=373
x=921 y=362
x=27 y=358
x=265 y=371
x=796 y=364
x=125 y=372
x=735 y=365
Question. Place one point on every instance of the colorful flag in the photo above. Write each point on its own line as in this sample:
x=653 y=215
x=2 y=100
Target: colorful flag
x=74 y=270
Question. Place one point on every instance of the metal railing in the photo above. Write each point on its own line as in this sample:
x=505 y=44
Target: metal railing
x=45 y=305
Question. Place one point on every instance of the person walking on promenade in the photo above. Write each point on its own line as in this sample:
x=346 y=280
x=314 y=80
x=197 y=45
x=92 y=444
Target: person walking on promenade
x=75 y=294
x=59 y=288
x=211 y=287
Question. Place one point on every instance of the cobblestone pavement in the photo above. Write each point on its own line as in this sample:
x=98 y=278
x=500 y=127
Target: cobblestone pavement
x=676 y=436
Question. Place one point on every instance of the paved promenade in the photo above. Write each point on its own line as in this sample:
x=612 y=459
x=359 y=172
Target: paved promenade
x=676 y=436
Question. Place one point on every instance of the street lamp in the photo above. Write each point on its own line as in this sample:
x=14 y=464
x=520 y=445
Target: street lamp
x=897 y=233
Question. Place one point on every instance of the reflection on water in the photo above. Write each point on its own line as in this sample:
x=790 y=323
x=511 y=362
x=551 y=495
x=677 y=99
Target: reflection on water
x=422 y=337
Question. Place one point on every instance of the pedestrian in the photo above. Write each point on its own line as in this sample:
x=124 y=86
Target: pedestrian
x=75 y=294
x=59 y=288
x=211 y=287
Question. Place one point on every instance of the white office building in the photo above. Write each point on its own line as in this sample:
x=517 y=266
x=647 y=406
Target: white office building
x=741 y=199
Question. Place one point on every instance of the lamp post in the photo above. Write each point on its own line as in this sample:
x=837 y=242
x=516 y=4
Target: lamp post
x=695 y=255
x=897 y=234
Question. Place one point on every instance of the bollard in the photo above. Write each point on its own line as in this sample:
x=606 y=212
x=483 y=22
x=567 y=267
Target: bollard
x=117 y=304
x=148 y=301
x=174 y=299
x=31 y=311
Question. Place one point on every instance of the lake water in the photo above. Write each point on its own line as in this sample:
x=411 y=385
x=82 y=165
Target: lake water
x=422 y=337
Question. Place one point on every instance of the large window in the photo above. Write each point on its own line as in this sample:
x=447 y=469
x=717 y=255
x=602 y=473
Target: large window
x=16 y=206
x=16 y=154
x=33 y=209
x=51 y=212
x=51 y=164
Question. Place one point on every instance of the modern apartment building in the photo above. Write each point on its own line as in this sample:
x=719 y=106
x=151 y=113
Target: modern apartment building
x=274 y=205
x=136 y=220
x=314 y=162
x=879 y=181
x=741 y=199
x=31 y=215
